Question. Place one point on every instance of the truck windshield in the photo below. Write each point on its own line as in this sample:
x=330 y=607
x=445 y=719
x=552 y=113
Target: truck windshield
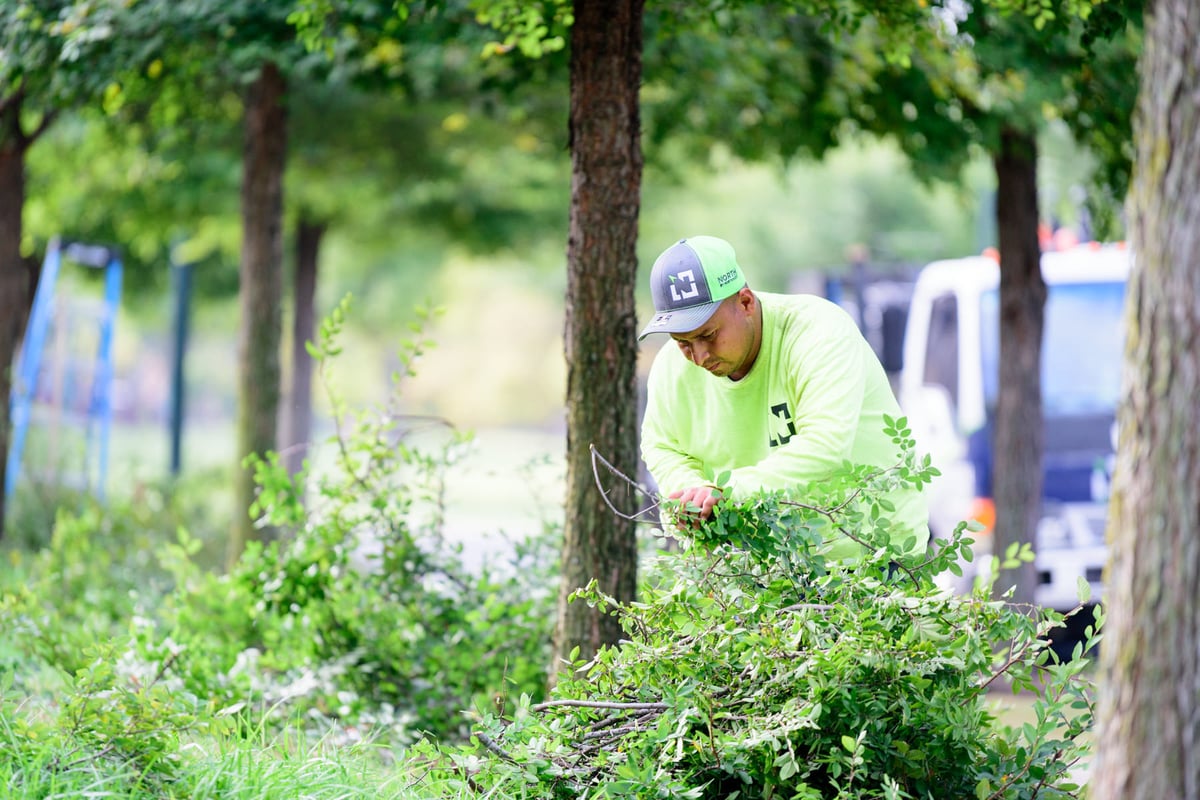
x=1081 y=348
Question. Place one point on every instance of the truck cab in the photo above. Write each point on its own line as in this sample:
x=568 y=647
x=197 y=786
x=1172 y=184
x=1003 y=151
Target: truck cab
x=948 y=387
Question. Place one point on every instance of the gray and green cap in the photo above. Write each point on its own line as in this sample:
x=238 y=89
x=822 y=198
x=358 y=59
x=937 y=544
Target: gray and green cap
x=688 y=281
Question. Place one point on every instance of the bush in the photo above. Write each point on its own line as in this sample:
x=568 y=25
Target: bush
x=360 y=614
x=139 y=516
x=97 y=571
x=358 y=621
x=95 y=568
x=755 y=667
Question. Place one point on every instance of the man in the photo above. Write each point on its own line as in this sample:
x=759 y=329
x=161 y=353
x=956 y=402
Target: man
x=778 y=389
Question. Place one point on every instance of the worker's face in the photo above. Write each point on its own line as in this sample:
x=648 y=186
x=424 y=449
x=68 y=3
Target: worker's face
x=728 y=343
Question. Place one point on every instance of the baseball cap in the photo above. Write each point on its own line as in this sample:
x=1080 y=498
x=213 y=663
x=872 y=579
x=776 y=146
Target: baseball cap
x=688 y=281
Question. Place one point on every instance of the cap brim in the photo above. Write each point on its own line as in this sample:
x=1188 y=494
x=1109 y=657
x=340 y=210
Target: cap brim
x=681 y=320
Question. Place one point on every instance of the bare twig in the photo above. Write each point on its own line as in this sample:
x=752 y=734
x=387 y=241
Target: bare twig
x=599 y=704
x=807 y=607
x=490 y=744
x=162 y=669
x=637 y=487
x=47 y=120
x=634 y=724
x=599 y=726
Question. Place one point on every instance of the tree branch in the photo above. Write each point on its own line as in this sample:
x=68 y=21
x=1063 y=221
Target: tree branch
x=46 y=121
x=637 y=487
x=490 y=744
x=599 y=704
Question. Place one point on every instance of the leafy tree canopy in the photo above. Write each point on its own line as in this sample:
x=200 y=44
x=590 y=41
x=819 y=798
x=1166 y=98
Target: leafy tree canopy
x=980 y=68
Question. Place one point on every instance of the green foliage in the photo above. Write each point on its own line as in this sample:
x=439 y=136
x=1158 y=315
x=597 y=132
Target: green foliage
x=378 y=157
x=114 y=720
x=113 y=712
x=361 y=622
x=361 y=614
x=755 y=666
x=756 y=82
x=56 y=53
x=78 y=571
x=1012 y=64
x=533 y=28
x=113 y=735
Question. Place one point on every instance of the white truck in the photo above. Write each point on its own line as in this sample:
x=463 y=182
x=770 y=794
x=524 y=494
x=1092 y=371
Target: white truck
x=947 y=388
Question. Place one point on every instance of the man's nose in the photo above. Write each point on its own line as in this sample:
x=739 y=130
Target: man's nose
x=699 y=353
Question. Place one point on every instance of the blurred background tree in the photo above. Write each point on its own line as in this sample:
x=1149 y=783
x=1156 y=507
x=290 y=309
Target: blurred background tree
x=417 y=169
x=55 y=56
x=994 y=79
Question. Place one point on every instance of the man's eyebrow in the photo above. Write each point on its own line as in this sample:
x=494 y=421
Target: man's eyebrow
x=699 y=335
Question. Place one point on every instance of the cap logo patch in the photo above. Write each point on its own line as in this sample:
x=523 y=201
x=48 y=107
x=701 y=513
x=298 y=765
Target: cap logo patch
x=688 y=282
x=686 y=288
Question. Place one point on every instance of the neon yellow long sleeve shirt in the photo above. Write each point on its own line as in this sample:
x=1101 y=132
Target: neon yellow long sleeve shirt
x=815 y=397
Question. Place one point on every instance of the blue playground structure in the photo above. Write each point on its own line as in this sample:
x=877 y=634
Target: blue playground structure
x=63 y=377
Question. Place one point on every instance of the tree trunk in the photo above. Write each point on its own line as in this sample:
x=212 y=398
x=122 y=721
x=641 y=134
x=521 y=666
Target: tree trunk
x=261 y=288
x=299 y=416
x=16 y=284
x=601 y=320
x=1017 y=451
x=1148 y=736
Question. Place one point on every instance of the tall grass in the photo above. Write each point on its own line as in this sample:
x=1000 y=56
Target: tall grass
x=37 y=762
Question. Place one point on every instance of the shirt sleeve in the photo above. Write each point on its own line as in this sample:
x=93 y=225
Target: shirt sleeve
x=826 y=371
x=671 y=467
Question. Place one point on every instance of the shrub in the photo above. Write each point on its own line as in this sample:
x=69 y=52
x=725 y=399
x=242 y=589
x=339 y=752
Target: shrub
x=139 y=515
x=360 y=613
x=97 y=569
x=96 y=573
x=109 y=721
x=755 y=667
x=359 y=620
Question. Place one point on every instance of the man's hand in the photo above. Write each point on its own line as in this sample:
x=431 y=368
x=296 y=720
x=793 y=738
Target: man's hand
x=704 y=498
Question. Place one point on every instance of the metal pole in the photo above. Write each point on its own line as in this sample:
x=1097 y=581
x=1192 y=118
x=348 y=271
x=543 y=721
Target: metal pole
x=102 y=389
x=24 y=389
x=181 y=285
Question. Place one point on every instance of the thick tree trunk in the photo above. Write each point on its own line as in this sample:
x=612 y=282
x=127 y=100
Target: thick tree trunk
x=261 y=288
x=601 y=319
x=16 y=283
x=299 y=416
x=1017 y=450
x=1148 y=737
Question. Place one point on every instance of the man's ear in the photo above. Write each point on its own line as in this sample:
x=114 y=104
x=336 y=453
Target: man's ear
x=746 y=300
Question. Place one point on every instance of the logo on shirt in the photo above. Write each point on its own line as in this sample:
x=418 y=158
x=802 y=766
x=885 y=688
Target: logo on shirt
x=783 y=425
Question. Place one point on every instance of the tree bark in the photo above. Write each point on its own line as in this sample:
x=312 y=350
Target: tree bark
x=299 y=417
x=261 y=288
x=601 y=321
x=17 y=274
x=1148 y=734
x=1019 y=438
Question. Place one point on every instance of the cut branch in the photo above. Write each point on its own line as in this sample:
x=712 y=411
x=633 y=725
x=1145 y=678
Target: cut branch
x=656 y=501
x=599 y=704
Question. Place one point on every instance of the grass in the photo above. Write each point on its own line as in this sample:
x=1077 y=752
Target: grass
x=232 y=771
x=39 y=761
x=507 y=480
x=48 y=751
